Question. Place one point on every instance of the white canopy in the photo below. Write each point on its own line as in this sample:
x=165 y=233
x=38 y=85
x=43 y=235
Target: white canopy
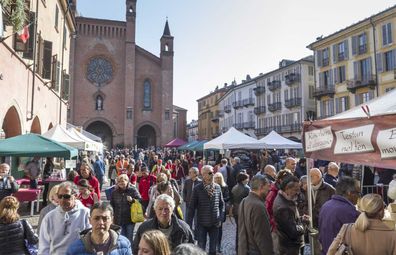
x=60 y=134
x=272 y=141
x=231 y=138
x=385 y=104
x=90 y=145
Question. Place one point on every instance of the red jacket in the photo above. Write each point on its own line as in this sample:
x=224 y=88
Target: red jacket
x=92 y=181
x=269 y=204
x=144 y=186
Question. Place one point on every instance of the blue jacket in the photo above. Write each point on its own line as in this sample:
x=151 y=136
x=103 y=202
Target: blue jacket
x=333 y=214
x=99 y=168
x=120 y=245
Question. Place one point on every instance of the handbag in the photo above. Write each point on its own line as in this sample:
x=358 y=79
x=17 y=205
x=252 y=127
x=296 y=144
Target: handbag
x=344 y=248
x=32 y=249
x=137 y=212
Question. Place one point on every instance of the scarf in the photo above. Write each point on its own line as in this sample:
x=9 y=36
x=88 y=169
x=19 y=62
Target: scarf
x=210 y=189
x=315 y=189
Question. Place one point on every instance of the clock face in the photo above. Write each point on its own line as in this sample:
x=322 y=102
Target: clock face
x=99 y=71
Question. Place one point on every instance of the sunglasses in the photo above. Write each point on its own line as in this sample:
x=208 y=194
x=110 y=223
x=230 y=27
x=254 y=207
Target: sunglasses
x=210 y=173
x=64 y=196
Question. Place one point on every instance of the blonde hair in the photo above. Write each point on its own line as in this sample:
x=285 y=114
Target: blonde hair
x=53 y=192
x=9 y=210
x=369 y=205
x=162 y=177
x=123 y=176
x=220 y=176
x=157 y=242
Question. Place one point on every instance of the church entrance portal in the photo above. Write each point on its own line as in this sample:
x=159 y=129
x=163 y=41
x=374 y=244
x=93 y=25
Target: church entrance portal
x=102 y=130
x=146 y=137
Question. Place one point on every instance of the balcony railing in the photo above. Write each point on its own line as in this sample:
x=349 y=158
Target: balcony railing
x=293 y=102
x=237 y=104
x=227 y=108
x=296 y=127
x=362 y=49
x=260 y=110
x=249 y=124
x=263 y=131
x=291 y=78
x=259 y=90
x=341 y=56
x=248 y=101
x=324 y=91
x=238 y=125
x=362 y=81
x=275 y=106
x=325 y=62
x=274 y=85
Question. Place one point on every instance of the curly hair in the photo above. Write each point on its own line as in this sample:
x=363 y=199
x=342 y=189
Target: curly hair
x=9 y=210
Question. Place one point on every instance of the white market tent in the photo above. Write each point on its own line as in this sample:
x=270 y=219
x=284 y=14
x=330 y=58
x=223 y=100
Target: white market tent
x=272 y=141
x=90 y=145
x=60 y=134
x=231 y=138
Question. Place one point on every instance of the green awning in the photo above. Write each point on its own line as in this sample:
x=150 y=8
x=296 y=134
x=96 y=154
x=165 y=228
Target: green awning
x=198 y=146
x=187 y=145
x=33 y=145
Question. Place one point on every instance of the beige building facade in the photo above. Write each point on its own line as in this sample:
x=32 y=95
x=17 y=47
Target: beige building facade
x=34 y=76
x=355 y=64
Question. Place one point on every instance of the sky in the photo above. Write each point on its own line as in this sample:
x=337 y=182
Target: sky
x=217 y=41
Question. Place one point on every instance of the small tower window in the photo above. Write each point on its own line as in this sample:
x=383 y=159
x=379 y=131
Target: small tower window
x=166 y=47
x=99 y=103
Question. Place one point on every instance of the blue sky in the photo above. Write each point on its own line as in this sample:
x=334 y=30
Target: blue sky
x=219 y=40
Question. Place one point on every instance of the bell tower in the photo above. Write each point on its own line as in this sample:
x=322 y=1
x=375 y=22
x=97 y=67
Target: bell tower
x=130 y=20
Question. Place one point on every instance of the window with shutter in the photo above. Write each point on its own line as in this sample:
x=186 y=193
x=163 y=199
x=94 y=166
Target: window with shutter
x=47 y=60
x=65 y=86
x=40 y=51
x=53 y=75
x=57 y=81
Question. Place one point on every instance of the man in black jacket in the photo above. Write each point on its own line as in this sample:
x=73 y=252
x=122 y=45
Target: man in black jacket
x=176 y=230
x=207 y=201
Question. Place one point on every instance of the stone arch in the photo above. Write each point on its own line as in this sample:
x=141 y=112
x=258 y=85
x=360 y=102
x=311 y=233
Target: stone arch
x=106 y=134
x=12 y=123
x=147 y=134
x=36 y=126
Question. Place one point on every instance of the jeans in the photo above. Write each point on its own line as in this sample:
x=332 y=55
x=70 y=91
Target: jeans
x=213 y=232
x=33 y=184
x=100 y=179
x=45 y=194
x=219 y=237
x=127 y=231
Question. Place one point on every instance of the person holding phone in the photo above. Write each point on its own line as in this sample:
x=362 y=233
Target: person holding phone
x=8 y=185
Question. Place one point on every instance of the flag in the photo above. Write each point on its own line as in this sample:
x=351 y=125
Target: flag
x=24 y=34
x=1 y=21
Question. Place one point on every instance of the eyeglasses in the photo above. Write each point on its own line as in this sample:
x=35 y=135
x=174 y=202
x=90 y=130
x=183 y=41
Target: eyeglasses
x=103 y=218
x=64 y=196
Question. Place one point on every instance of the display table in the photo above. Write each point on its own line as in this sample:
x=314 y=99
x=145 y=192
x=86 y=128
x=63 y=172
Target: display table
x=29 y=195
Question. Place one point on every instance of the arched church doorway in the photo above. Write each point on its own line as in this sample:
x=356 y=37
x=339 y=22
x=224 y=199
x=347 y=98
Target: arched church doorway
x=145 y=137
x=12 y=123
x=36 y=126
x=101 y=129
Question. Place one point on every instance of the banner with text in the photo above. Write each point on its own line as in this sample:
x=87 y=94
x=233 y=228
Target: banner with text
x=366 y=141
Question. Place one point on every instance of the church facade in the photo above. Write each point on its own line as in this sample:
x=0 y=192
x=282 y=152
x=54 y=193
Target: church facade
x=120 y=91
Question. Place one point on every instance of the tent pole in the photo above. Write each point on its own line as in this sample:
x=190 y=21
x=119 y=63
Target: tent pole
x=309 y=194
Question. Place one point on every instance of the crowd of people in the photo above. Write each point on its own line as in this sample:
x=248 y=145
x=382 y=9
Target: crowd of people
x=269 y=206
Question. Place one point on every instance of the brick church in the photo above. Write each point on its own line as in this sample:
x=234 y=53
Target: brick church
x=120 y=91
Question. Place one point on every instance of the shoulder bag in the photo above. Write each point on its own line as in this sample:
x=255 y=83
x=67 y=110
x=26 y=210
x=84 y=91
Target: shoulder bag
x=344 y=248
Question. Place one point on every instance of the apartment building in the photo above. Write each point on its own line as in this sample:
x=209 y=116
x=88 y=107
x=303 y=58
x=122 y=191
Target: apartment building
x=284 y=98
x=355 y=64
x=237 y=108
x=34 y=74
x=209 y=113
x=192 y=131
